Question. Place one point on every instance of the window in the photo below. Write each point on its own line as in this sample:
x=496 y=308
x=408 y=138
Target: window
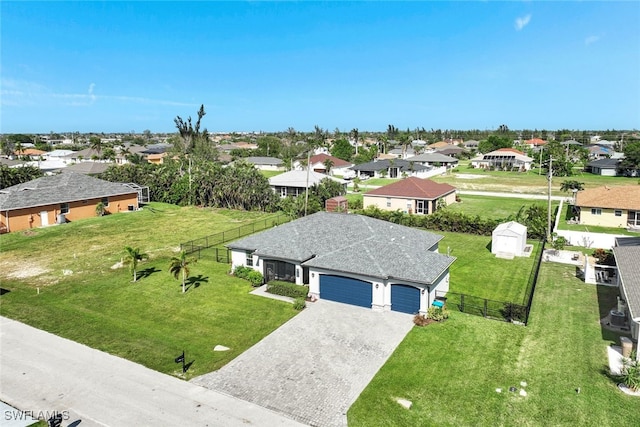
x=596 y=211
x=64 y=208
x=283 y=191
x=249 y=258
x=617 y=212
x=388 y=202
x=105 y=202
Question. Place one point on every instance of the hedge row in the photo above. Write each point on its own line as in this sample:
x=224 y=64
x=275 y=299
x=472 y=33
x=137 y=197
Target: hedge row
x=248 y=273
x=287 y=289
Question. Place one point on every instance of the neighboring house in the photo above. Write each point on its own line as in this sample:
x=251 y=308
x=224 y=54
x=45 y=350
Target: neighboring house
x=434 y=159
x=317 y=162
x=451 y=150
x=471 y=144
x=627 y=253
x=535 y=143
x=402 y=153
x=86 y=155
x=352 y=259
x=156 y=158
x=60 y=198
x=11 y=163
x=504 y=158
x=599 y=152
x=30 y=153
x=411 y=195
x=604 y=167
x=87 y=168
x=295 y=183
x=610 y=206
x=266 y=163
x=509 y=239
x=390 y=168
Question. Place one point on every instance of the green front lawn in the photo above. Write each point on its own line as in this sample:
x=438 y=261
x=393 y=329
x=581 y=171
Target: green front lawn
x=494 y=207
x=60 y=279
x=451 y=371
x=562 y=225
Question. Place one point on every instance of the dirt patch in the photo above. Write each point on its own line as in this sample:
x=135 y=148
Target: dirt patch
x=26 y=272
x=469 y=176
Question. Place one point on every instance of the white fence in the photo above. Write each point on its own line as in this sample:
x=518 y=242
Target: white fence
x=585 y=238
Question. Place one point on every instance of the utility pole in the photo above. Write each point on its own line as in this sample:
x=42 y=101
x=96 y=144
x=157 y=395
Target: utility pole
x=549 y=178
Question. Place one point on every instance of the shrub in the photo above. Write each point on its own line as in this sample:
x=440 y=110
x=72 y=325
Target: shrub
x=256 y=278
x=630 y=373
x=288 y=289
x=242 y=272
x=438 y=314
x=421 y=320
x=515 y=312
x=299 y=304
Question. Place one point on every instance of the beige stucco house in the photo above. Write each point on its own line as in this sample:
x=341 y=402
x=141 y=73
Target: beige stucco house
x=411 y=195
x=610 y=206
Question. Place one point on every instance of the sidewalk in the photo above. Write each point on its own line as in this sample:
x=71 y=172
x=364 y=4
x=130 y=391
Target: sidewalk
x=43 y=373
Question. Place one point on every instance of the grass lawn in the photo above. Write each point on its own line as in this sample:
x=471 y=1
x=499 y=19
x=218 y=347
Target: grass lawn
x=271 y=174
x=150 y=321
x=494 y=207
x=478 y=272
x=450 y=371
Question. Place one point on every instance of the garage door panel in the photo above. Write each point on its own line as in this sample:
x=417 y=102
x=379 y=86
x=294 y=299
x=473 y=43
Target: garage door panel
x=346 y=290
x=405 y=299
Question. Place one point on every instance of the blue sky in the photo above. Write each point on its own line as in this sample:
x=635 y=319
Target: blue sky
x=123 y=66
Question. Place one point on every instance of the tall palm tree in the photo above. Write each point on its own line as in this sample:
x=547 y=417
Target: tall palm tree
x=132 y=256
x=328 y=164
x=180 y=264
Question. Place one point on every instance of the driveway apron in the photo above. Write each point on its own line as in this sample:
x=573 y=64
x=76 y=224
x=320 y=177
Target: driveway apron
x=316 y=365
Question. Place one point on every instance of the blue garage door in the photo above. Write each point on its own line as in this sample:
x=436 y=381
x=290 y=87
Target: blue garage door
x=405 y=299
x=346 y=290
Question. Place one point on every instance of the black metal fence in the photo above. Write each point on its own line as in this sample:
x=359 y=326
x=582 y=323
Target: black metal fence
x=507 y=311
x=214 y=242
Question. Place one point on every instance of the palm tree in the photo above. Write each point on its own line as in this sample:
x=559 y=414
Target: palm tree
x=328 y=164
x=132 y=256
x=180 y=264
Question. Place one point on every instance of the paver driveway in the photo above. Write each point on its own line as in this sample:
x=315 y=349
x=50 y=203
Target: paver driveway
x=316 y=365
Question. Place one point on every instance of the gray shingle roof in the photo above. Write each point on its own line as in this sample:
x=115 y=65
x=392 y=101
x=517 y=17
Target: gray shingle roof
x=629 y=270
x=62 y=188
x=352 y=244
x=604 y=163
x=432 y=158
x=404 y=165
x=264 y=161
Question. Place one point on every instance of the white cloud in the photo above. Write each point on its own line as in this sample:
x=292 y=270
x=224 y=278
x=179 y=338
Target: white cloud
x=17 y=93
x=522 y=22
x=591 y=39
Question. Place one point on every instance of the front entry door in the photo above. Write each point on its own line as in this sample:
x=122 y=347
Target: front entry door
x=269 y=271
x=44 y=218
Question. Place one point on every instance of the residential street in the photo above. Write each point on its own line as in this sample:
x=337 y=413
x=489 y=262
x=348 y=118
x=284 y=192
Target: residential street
x=42 y=373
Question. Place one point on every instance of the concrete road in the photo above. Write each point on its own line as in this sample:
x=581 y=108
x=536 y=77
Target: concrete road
x=43 y=373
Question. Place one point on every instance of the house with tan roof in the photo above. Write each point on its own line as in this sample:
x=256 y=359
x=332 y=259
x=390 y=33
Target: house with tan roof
x=503 y=159
x=411 y=195
x=317 y=162
x=610 y=206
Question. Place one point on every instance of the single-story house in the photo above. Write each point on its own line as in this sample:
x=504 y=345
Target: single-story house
x=610 y=206
x=627 y=253
x=471 y=144
x=295 y=182
x=411 y=195
x=599 y=152
x=87 y=168
x=534 y=143
x=604 y=167
x=266 y=163
x=352 y=259
x=434 y=159
x=60 y=198
x=317 y=163
x=390 y=168
x=503 y=158
x=402 y=153
x=451 y=150
x=509 y=239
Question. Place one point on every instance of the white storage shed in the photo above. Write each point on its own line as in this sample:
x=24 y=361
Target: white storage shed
x=509 y=239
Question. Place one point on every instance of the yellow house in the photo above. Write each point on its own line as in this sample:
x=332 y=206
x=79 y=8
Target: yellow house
x=610 y=206
x=60 y=198
x=411 y=195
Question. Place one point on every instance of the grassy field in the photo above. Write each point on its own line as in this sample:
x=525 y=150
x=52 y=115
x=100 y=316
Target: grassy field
x=494 y=207
x=451 y=371
x=60 y=279
x=530 y=182
x=478 y=272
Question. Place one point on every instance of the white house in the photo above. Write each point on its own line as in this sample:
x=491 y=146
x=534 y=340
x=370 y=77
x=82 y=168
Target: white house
x=352 y=259
x=295 y=182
